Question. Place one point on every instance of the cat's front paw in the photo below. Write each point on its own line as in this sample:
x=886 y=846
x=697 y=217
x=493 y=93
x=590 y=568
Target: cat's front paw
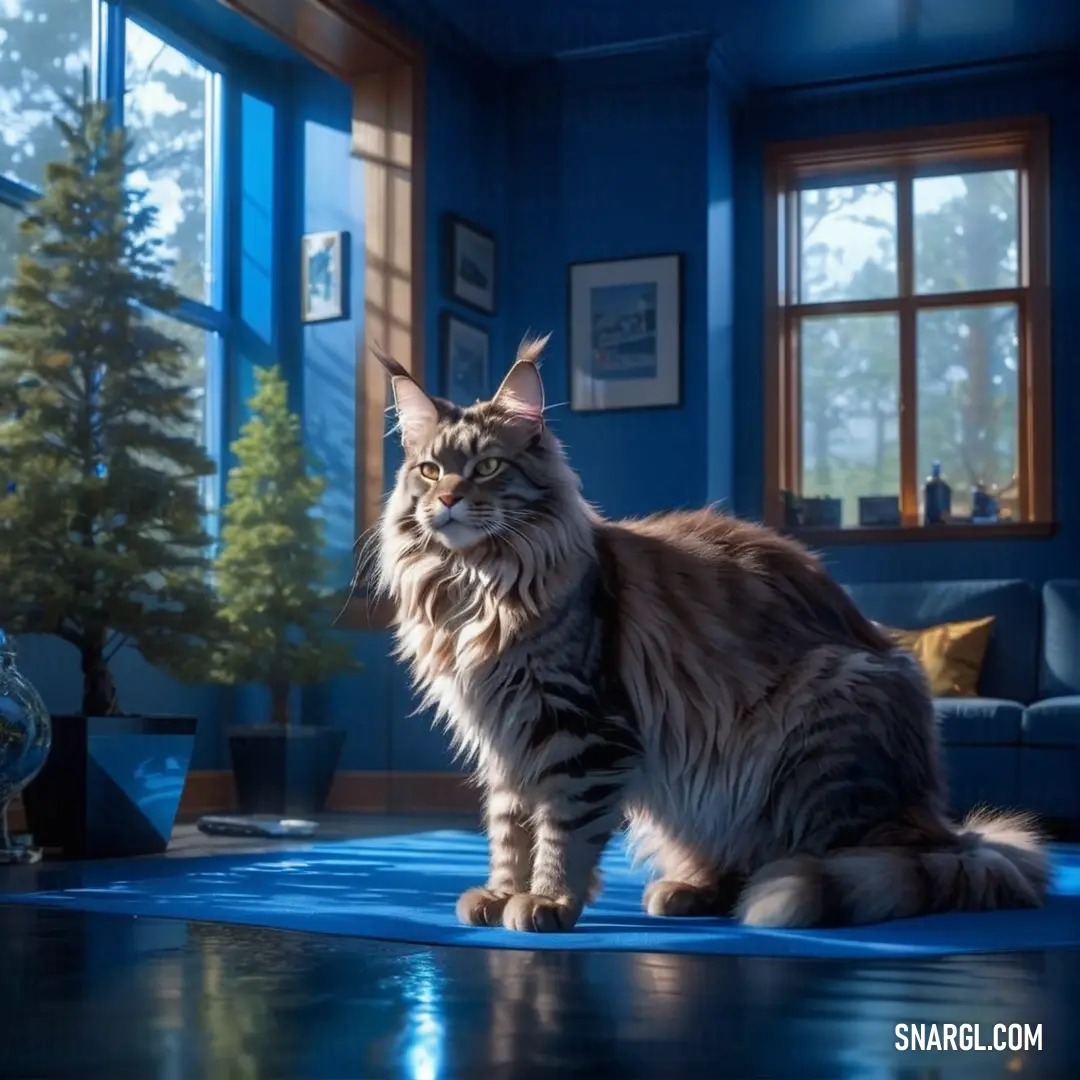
x=540 y=914
x=482 y=906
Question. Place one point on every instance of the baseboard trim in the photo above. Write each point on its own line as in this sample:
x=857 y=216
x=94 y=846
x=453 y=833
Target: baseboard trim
x=211 y=791
x=418 y=793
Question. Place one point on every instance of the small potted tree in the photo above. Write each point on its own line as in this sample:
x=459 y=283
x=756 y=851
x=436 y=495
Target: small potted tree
x=102 y=540
x=277 y=614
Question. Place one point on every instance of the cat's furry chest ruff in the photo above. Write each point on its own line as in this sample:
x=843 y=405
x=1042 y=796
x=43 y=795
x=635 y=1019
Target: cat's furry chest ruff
x=511 y=691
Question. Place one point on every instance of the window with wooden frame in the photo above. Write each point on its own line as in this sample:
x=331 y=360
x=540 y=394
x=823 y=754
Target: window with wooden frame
x=907 y=325
x=386 y=69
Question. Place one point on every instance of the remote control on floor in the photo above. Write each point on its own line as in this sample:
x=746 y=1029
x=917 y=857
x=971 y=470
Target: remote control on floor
x=223 y=825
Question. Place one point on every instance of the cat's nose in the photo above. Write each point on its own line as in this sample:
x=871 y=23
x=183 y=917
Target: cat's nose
x=449 y=498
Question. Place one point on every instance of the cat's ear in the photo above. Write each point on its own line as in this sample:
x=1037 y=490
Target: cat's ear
x=417 y=414
x=522 y=391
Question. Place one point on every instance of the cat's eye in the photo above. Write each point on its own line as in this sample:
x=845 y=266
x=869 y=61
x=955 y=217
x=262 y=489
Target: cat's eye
x=429 y=470
x=488 y=466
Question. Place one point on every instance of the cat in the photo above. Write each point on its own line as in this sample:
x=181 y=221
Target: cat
x=695 y=677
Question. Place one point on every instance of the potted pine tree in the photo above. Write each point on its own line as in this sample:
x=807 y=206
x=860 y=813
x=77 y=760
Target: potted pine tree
x=102 y=540
x=277 y=613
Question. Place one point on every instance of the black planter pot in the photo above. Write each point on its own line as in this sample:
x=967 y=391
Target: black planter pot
x=111 y=785
x=283 y=770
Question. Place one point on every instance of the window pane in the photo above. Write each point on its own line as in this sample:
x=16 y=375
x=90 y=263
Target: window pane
x=966 y=231
x=969 y=388
x=257 y=180
x=850 y=392
x=848 y=243
x=44 y=47
x=166 y=100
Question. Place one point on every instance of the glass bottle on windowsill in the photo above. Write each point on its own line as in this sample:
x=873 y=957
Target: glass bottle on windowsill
x=937 y=498
x=984 y=505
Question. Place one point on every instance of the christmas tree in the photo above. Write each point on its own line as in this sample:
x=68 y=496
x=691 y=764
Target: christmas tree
x=271 y=566
x=102 y=539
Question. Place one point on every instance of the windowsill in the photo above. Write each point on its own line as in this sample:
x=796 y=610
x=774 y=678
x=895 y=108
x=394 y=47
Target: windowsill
x=927 y=534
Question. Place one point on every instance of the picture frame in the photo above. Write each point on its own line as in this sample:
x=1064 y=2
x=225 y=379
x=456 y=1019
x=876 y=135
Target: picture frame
x=324 y=277
x=625 y=339
x=466 y=359
x=471 y=264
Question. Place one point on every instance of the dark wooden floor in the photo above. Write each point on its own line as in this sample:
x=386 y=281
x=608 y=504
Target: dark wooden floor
x=110 y=997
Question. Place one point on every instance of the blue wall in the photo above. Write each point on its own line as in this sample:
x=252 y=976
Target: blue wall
x=613 y=158
x=328 y=196
x=809 y=115
x=720 y=294
x=467 y=136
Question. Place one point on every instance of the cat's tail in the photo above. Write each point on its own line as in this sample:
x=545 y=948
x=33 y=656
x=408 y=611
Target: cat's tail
x=994 y=861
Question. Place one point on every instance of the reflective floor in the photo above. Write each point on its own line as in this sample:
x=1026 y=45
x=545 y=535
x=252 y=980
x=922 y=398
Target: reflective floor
x=111 y=997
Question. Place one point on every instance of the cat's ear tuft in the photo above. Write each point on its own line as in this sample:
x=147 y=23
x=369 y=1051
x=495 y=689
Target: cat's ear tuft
x=522 y=393
x=416 y=412
x=532 y=348
x=392 y=367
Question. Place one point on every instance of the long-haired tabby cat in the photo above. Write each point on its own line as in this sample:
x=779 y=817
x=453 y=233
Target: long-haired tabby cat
x=697 y=677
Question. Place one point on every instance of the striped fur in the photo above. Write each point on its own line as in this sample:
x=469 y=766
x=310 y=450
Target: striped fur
x=696 y=677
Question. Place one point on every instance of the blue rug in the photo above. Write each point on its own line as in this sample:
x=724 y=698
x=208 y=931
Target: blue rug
x=403 y=888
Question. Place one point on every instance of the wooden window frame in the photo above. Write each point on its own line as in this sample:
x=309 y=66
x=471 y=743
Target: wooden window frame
x=1015 y=143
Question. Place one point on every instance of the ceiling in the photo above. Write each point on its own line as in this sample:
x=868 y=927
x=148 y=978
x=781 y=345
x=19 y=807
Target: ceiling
x=771 y=43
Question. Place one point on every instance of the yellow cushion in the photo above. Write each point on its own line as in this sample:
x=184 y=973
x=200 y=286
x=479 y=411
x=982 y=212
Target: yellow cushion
x=951 y=654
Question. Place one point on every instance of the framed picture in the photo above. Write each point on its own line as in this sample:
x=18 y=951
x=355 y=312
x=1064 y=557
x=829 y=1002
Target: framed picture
x=323 y=277
x=466 y=356
x=470 y=264
x=625 y=339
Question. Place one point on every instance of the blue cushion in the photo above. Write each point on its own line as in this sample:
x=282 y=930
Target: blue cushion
x=1010 y=670
x=979 y=721
x=1053 y=722
x=1059 y=672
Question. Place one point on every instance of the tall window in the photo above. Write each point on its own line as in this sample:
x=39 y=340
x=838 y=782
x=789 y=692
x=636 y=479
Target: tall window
x=909 y=328
x=172 y=113
x=169 y=99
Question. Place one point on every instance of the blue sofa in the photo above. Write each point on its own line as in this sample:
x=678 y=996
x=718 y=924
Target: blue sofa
x=1017 y=745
